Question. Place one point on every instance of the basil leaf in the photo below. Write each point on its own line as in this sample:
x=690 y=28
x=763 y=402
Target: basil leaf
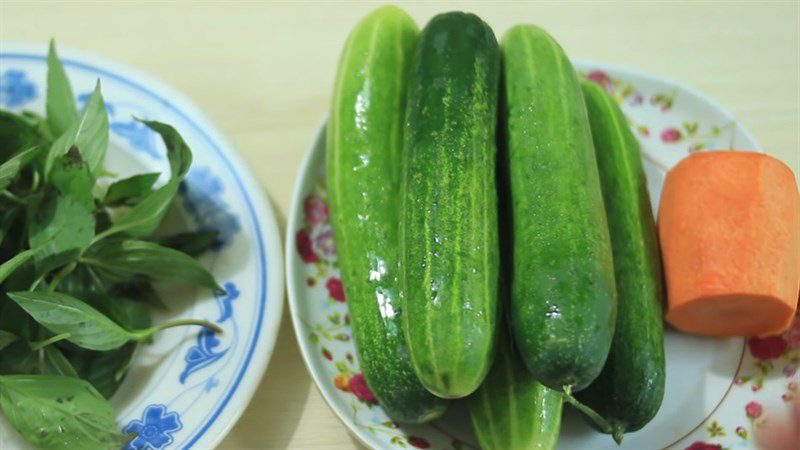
x=130 y=190
x=7 y=219
x=89 y=134
x=143 y=292
x=16 y=133
x=63 y=222
x=53 y=362
x=10 y=168
x=6 y=339
x=18 y=358
x=193 y=243
x=61 y=111
x=146 y=216
x=8 y=267
x=128 y=313
x=60 y=313
x=39 y=124
x=71 y=176
x=58 y=412
x=106 y=370
x=14 y=319
x=132 y=257
x=178 y=153
x=64 y=227
x=81 y=283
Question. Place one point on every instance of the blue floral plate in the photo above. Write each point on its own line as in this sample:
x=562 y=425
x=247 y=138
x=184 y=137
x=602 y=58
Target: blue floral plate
x=189 y=387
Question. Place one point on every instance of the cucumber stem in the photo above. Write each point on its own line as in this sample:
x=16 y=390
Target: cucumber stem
x=604 y=425
x=618 y=434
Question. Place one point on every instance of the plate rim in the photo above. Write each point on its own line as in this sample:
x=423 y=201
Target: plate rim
x=261 y=210
x=291 y=258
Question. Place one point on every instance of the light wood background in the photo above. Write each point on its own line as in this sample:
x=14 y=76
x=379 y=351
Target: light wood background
x=263 y=72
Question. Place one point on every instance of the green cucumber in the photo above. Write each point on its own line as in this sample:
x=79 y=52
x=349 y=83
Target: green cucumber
x=563 y=301
x=449 y=205
x=511 y=410
x=364 y=149
x=629 y=390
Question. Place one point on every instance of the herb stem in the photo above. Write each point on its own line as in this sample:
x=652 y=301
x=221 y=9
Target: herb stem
x=14 y=198
x=178 y=323
x=60 y=276
x=35 y=182
x=100 y=236
x=52 y=340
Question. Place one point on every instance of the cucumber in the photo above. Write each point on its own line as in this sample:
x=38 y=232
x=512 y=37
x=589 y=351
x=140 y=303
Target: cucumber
x=364 y=149
x=511 y=410
x=449 y=205
x=563 y=300
x=629 y=390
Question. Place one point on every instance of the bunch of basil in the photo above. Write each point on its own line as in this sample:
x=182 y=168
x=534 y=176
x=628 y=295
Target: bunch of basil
x=76 y=266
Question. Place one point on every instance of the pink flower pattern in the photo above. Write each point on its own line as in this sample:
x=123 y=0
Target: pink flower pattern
x=669 y=135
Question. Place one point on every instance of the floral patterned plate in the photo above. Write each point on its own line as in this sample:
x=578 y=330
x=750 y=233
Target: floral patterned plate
x=189 y=387
x=717 y=391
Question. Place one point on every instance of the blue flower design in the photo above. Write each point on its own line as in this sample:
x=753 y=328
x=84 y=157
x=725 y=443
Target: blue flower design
x=202 y=195
x=201 y=355
x=154 y=431
x=138 y=135
x=225 y=301
x=210 y=384
x=16 y=89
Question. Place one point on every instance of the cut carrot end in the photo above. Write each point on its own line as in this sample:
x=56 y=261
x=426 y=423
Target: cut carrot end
x=732 y=315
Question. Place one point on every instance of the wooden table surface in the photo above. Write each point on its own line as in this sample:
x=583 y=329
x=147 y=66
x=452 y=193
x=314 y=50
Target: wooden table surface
x=263 y=72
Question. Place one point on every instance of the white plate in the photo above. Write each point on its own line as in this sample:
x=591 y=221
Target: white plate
x=717 y=391
x=188 y=388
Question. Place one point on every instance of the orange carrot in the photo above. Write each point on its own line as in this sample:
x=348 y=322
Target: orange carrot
x=729 y=224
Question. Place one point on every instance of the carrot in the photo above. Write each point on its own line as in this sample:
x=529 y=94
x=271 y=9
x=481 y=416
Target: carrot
x=729 y=224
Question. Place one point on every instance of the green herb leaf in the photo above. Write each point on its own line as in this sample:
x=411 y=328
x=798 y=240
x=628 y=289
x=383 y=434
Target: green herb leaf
x=130 y=190
x=16 y=134
x=132 y=257
x=146 y=216
x=18 y=358
x=39 y=124
x=7 y=219
x=64 y=217
x=193 y=243
x=58 y=412
x=178 y=153
x=107 y=369
x=8 y=267
x=89 y=135
x=10 y=168
x=61 y=111
x=63 y=222
x=6 y=339
x=53 y=362
x=14 y=319
x=142 y=291
x=60 y=313
x=70 y=175
x=81 y=282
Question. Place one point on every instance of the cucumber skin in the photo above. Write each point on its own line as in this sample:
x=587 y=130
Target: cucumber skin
x=449 y=205
x=563 y=303
x=629 y=391
x=511 y=410
x=364 y=149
